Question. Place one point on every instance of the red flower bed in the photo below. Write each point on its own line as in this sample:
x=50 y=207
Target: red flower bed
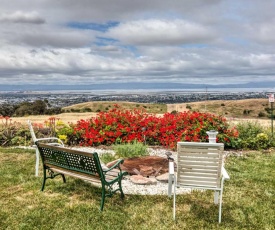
x=121 y=126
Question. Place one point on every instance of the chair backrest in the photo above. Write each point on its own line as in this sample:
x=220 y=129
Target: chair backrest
x=199 y=164
x=34 y=139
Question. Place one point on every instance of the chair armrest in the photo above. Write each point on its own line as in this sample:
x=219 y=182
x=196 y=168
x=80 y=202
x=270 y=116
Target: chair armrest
x=171 y=178
x=116 y=165
x=171 y=168
x=50 y=138
x=225 y=174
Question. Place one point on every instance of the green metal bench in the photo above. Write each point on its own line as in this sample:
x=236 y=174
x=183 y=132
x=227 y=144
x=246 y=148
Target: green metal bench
x=82 y=165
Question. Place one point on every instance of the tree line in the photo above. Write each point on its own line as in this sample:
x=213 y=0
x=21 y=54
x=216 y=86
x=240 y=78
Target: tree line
x=37 y=107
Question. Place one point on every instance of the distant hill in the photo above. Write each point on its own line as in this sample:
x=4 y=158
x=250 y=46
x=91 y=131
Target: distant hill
x=248 y=108
x=100 y=106
x=240 y=109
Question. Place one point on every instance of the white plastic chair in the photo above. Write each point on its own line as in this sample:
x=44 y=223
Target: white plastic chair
x=199 y=166
x=50 y=140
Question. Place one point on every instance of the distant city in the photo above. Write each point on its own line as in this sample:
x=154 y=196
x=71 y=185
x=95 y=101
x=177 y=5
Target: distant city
x=63 y=99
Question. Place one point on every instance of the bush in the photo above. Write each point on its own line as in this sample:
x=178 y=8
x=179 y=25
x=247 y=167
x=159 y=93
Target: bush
x=125 y=126
x=107 y=157
x=188 y=107
x=261 y=114
x=86 y=109
x=246 y=112
x=134 y=149
x=12 y=133
x=253 y=136
x=249 y=129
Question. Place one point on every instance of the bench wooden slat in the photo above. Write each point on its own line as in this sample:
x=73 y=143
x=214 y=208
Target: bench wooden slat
x=76 y=175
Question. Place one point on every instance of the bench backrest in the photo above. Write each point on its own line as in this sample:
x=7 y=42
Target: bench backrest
x=70 y=159
x=199 y=164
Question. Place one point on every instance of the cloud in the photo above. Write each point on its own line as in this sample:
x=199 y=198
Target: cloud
x=22 y=17
x=79 y=42
x=161 y=32
x=120 y=10
x=60 y=39
x=263 y=33
x=38 y=35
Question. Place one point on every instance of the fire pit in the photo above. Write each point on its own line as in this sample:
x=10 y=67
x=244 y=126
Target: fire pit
x=146 y=166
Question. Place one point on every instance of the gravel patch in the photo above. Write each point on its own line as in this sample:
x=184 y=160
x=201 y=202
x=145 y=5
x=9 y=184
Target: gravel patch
x=161 y=188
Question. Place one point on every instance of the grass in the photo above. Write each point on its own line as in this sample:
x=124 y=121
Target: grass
x=248 y=201
x=247 y=108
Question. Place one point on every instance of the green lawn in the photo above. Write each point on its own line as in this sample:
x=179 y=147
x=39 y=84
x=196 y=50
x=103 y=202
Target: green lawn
x=248 y=201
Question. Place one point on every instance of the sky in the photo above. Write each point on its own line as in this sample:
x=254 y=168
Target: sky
x=55 y=42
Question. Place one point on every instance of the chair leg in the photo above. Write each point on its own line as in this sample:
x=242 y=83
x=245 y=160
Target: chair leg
x=170 y=181
x=216 y=197
x=174 y=201
x=220 y=207
x=37 y=161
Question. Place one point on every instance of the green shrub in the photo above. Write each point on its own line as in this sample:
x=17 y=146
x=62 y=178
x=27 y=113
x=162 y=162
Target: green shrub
x=246 y=112
x=188 y=107
x=174 y=112
x=67 y=134
x=86 y=109
x=107 y=157
x=249 y=129
x=12 y=133
x=261 y=114
x=253 y=136
x=134 y=149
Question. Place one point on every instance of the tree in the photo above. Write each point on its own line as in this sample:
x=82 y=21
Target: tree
x=7 y=109
x=39 y=107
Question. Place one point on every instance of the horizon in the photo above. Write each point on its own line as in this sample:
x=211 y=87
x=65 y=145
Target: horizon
x=138 y=87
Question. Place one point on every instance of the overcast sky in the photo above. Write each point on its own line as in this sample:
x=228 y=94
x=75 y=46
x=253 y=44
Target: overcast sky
x=105 y=41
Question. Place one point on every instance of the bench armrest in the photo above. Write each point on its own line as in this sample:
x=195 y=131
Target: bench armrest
x=116 y=165
x=225 y=174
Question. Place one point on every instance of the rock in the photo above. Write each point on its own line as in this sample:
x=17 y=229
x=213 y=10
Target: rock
x=110 y=164
x=146 y=170
x=163 y=177
x=139 y=179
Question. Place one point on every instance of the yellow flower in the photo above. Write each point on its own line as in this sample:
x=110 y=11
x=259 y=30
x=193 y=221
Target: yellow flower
x=262 y=136
x=62 y=137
